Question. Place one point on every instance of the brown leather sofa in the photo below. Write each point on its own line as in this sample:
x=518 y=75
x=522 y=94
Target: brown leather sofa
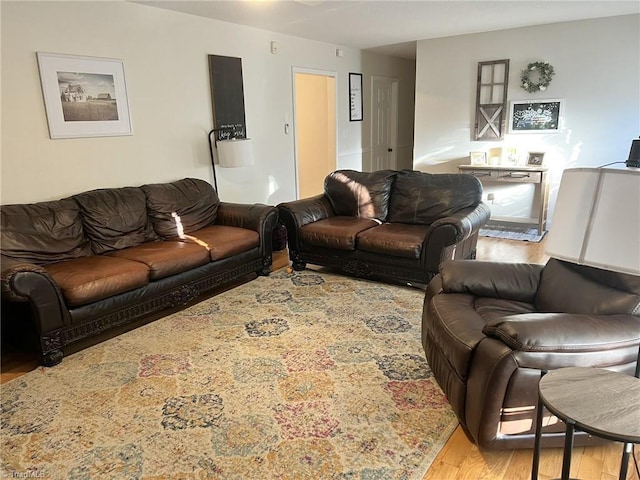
x=74 y=267
x=490 y=329
x=393 y=225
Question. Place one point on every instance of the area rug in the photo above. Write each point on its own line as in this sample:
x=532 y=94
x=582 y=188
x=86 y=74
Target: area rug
x=525 y=234
x=306 y=375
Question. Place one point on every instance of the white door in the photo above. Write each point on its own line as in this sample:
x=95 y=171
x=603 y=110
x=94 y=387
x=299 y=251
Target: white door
x=315 y=129
x=384 y=123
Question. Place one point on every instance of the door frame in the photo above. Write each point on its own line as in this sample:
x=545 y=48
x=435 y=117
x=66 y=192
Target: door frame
x=395 y=99
x=309 y=71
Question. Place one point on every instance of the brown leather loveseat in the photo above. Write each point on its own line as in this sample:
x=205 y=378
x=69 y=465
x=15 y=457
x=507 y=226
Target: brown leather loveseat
x=74 y=267
x=489 y=330
x=395 y=225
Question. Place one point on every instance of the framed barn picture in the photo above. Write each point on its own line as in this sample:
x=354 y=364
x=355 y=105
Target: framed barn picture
x=84 y=96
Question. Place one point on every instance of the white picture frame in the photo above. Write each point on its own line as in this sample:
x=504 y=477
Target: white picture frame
x=84 y=96
x=478 y=158
x=535 y=116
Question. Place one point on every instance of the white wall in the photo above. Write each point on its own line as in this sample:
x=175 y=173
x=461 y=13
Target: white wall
x=166 y=69
x=597 y=65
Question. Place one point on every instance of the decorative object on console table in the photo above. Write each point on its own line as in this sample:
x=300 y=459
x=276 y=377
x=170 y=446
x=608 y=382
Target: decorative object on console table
x=539 y=116
x=491 y=100
x=84 y=96
x=478 y=158
x=488 y=174
x=535 y=158
x=355 y=97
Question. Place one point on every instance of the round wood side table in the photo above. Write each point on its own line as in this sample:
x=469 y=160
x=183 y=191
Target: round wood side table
x=596 y=401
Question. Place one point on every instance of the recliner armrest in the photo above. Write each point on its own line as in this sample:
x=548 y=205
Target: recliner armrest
x=565 y=332
x=509 y=281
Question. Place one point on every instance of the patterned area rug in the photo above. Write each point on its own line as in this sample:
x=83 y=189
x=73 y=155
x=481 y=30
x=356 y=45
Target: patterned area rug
x=512 y=233
x=293 y=376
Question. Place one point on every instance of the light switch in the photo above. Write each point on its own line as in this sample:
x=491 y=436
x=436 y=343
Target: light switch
x=274 y=47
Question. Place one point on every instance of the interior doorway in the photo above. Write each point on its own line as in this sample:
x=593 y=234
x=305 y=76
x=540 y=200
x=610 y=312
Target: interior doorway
x=315 y=129
x=384 y=123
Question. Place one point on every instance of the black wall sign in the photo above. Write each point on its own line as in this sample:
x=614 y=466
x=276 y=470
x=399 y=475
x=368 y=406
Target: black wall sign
x=227 y=96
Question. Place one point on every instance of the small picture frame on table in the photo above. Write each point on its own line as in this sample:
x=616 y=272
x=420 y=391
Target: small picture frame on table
x=478 y=158
x=535 y=159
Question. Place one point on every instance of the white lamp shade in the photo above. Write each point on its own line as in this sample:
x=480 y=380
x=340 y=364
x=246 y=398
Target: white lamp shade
x=597 y=219
x=235 y=152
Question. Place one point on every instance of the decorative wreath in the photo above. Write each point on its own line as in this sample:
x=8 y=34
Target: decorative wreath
x=545 y=72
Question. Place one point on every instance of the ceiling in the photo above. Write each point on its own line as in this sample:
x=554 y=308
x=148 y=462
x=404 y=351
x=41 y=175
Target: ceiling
x=392 y=27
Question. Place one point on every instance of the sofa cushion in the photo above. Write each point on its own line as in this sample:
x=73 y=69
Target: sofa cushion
x=335 y=232
x=223 y=241
x=89 y=279
x=188 y=204
x=115 y=218
x=43 y=232
x=165 y=258
x=396 y=239
x=422 y=198
x=360 y=194
x=570 y=288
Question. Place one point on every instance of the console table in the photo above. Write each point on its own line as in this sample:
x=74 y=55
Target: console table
x=516 y=174
x=597 y=401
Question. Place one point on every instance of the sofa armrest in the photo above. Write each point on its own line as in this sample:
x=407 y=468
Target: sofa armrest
x=446 y=233
x=565 y=332
x=465 y=222
x=508 y=281
x=298 y=213
x=258 y=217
x=26 y=282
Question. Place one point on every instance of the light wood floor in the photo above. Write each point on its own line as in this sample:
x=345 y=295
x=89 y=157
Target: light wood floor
x=460 y=459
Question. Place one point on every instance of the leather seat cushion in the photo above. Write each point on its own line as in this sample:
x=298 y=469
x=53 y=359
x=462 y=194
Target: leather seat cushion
x=115 y=218
x=43 y=232
x=224 y=241
x=397 y=239
x=335 y=232
x=89 y=279
x=193 y=201
x=165 y=258
x=456 y=322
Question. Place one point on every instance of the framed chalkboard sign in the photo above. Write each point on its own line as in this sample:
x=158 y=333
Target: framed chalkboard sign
x=227 y=97
x=535 y=116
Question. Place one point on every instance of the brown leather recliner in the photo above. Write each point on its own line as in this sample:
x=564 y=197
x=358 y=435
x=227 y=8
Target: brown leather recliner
x=490 y=329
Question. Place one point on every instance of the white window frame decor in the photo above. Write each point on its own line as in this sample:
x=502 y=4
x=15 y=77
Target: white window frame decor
x=84 y=96
x=535 y=116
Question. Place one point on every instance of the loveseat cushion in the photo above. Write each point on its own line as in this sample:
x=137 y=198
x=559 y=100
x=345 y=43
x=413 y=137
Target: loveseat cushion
x=335 y=232
x=43 y=232
x=89 y=279
x=188 y=204
x=115 y=218
x=223 y=241
x=422 y=198
x=570 y=288
x=165 y=258
x=360 y=194
x=395 y=239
